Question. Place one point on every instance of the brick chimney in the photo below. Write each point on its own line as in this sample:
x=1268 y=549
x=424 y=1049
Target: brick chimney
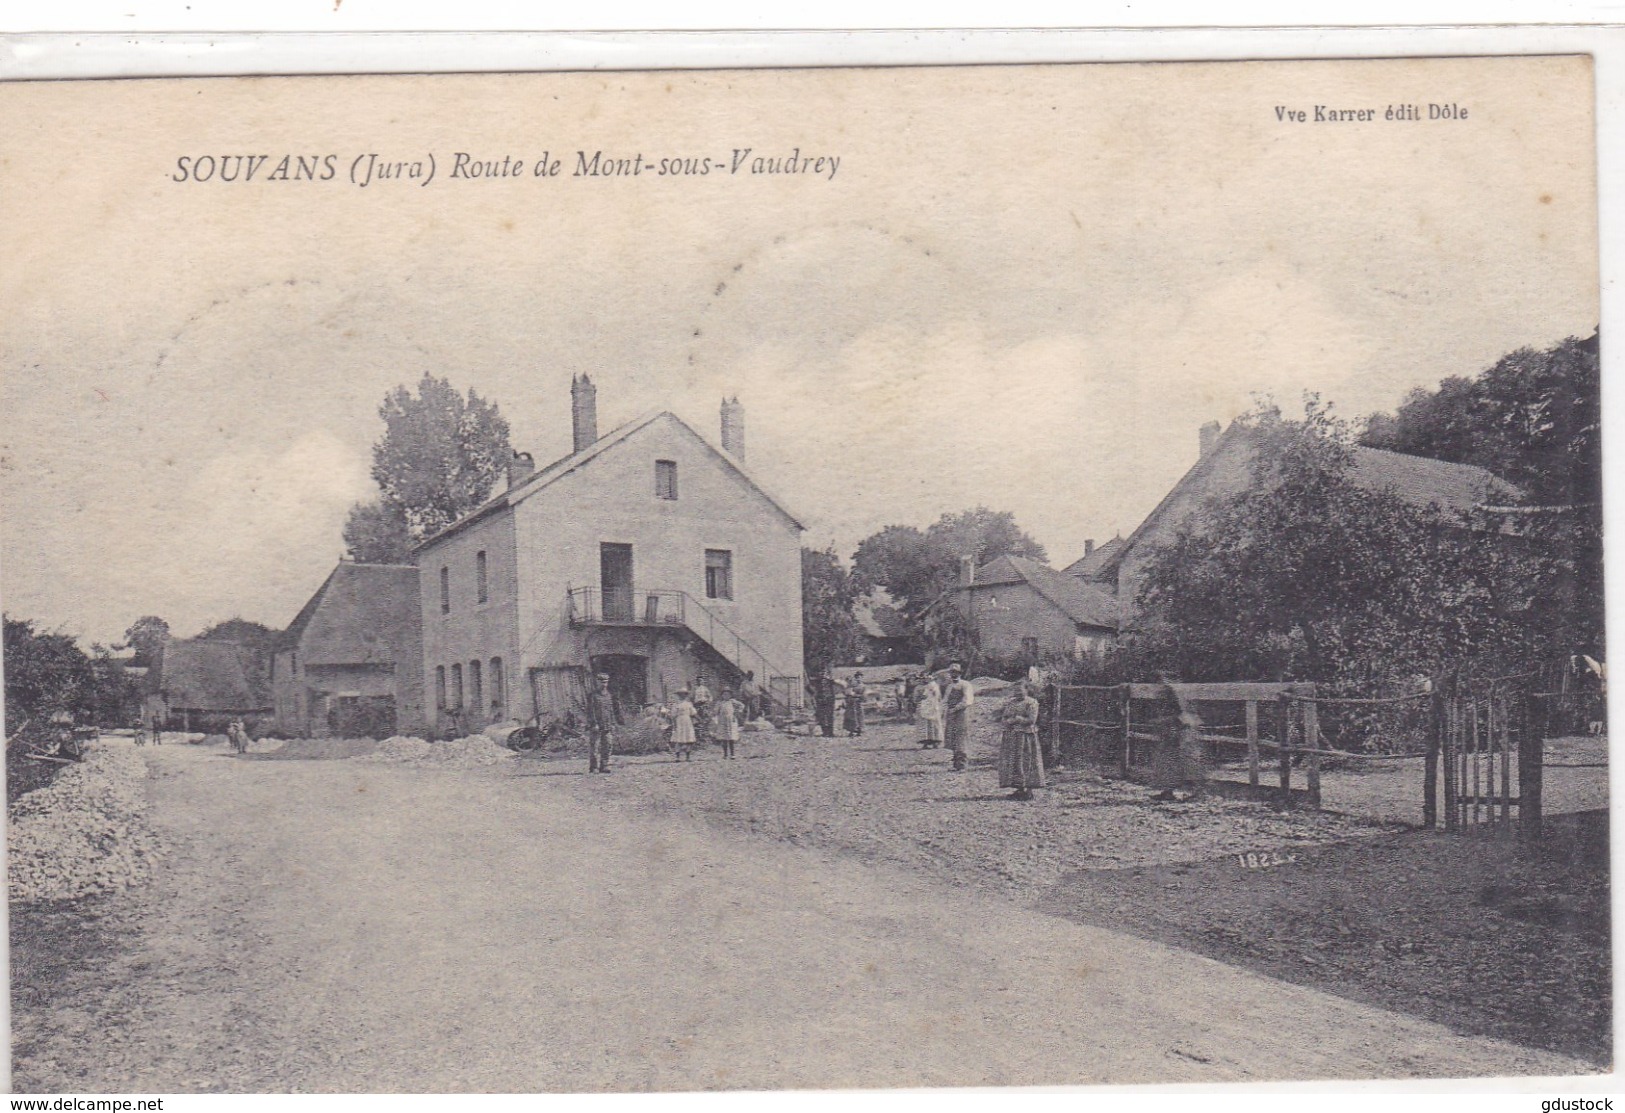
x=1088 y=546
x=583 y=411
x=520 y=467
x=733 y=428
x=967 y=571
x=1208 y=436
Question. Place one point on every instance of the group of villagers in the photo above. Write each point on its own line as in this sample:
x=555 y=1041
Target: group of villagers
x=943 y=713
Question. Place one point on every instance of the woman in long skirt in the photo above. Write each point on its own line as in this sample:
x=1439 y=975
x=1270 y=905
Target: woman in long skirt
x=1021 y=764
x=928 y=710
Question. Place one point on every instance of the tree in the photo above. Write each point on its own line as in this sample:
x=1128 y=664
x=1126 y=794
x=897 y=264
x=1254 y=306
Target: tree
x=1307 y=575
x=830 y=634
x=915 y=568
x=439 y=457
x=147 y=635
x=241 y=631
x=376 y=533
x=46 y=672
x=1534 y=418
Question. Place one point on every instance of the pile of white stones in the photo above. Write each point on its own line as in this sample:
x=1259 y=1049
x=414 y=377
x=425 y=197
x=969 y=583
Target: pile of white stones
x=475 y=751
x=85 y=832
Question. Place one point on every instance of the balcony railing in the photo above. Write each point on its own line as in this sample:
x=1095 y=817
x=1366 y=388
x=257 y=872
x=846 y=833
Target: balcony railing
x=591 y=606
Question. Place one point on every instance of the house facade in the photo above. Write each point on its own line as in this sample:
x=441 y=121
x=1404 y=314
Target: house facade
x=351 y=662
x=1019 y=608
x=648 y=553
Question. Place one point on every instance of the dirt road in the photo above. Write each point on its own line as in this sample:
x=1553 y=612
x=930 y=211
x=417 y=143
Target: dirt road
x=339 y=926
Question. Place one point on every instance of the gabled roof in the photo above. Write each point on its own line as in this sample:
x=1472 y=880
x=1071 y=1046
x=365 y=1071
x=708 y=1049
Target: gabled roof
x=558 y=469
x=1089 y=565
x=1084 y=603
x=1419 y=480
x=211 y=676
x=358 y=616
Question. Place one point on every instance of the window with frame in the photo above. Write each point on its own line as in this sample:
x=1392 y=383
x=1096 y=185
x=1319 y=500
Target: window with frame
x=445 y=590
x=666 y=479
x=719 y=574
x=499 y=694
x=482 y=590
x=440 y=687
x=476 y=685
x=456 y=687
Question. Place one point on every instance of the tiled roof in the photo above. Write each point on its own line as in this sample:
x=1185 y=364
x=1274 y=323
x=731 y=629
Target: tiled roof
x=563 y=466
x=361 y=615
x=1088 y=565
x=211 y=676
x=1084 y=603
x=1454 y=488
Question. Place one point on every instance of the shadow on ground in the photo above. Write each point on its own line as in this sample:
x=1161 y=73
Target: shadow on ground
x=1473 y=931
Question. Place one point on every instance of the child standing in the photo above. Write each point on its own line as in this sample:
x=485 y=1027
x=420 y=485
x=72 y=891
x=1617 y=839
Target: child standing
x=725 y=716
x=682 y=727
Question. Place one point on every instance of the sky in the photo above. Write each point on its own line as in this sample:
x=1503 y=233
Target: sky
x=1021 y=287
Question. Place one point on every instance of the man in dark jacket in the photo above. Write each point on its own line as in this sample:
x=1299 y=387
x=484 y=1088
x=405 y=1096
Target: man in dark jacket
x=603 y=716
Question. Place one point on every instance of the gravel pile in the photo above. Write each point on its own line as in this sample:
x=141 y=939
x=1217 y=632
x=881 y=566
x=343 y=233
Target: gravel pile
x=398 y=748
x=473 y=752
x=85 y=832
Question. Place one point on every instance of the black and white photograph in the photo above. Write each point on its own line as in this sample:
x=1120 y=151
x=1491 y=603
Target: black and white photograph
x=1038 y=575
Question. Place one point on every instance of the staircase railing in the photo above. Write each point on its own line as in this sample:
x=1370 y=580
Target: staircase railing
x=668 y=609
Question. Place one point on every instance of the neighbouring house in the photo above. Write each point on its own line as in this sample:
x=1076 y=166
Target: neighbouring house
x=1019 y=608
x=1224 y=468
x=648 y=553
x=351 y=661
x=204 y=685
x=888 y=637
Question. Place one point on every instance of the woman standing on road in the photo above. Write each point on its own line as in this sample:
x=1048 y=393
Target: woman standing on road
x=1021 y=765
x=852 y=721
x=928 y=710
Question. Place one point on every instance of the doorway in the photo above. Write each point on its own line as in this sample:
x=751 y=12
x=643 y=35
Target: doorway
x=615 y=581
x=628 y=680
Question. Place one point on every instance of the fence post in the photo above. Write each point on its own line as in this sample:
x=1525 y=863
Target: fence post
x=1252 y=742
x=1283 y=735
x=1128 y=738
x=1531 y=765
x=1311 y=740
x=1430 y=763
x=1055 y=727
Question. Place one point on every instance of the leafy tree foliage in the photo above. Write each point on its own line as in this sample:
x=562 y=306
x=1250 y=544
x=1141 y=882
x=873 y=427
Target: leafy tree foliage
x=1307 y=575
x=242 y=631
x=1534 y=418
x=830 y=634
x=439 y=457
x=376 y=533
x=147 y=635
x=46 y=672
x=916 y=567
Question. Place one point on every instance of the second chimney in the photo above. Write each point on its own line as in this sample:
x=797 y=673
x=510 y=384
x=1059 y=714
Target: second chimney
x=733 y=428
x=583 y=412
x=520 y=467
x=967 y=571
x=1208 y=436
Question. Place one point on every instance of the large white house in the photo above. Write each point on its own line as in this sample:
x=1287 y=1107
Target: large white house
x=648 y=553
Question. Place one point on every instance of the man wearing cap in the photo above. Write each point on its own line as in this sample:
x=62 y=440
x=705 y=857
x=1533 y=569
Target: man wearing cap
x=603 y=715
x=956 y=705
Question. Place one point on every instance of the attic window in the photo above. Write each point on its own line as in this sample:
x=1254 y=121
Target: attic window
x=666 y=479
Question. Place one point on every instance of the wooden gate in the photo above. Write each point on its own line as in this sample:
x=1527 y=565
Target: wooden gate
x=1489 y=740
